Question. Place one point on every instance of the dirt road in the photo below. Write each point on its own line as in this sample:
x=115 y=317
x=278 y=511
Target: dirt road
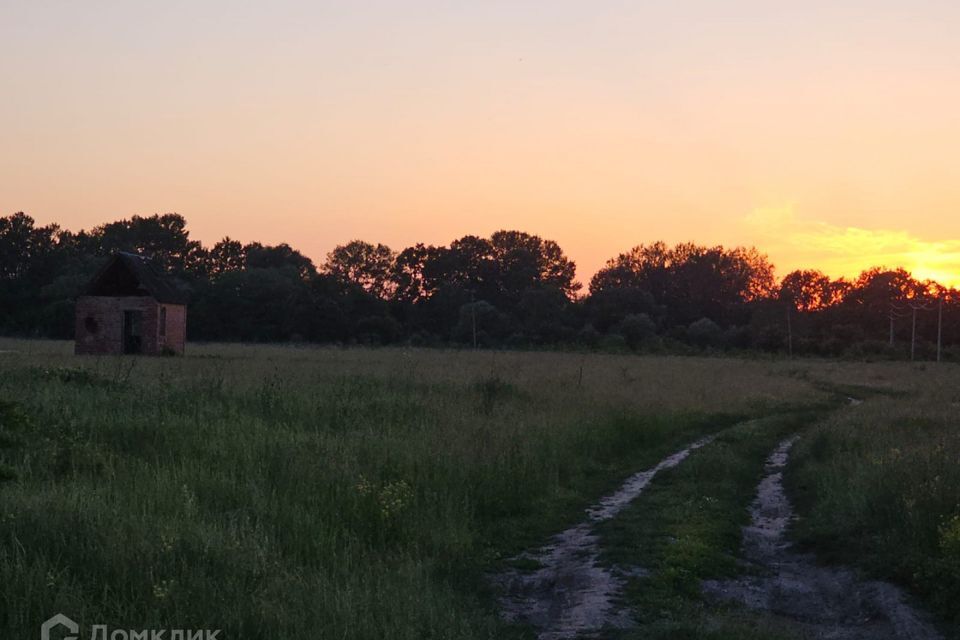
x=570 y=593
x=820 y=602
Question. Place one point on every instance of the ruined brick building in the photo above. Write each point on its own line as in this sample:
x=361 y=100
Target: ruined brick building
x=129 y=307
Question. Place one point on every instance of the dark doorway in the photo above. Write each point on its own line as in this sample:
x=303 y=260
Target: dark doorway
x=132 y=331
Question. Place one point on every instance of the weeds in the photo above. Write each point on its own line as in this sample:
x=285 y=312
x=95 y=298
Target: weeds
x=687 y=528
x=303 y=493
x=877 y=486
x=80 y=378
x=493 y=390
x=224 y=490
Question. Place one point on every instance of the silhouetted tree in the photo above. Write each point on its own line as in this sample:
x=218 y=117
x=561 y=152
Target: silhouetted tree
x=30 y=259
x=524 y=261
x=163 y=238
x=281 y=256
x=407 y=273
x=225 y=256
x=635 y=328
x=513 y=288
x=808 y=290
x=609 y=305
x=690 y=281
x=366 y=265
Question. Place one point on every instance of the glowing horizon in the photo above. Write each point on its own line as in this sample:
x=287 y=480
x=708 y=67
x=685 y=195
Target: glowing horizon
x=824 y=134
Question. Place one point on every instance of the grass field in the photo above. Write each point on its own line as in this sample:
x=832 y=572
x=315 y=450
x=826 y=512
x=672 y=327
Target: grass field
x=281 y=492
x=687 y=529
x=879 y=486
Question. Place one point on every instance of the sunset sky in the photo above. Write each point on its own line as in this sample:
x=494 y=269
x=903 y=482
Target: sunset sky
x=826 y=133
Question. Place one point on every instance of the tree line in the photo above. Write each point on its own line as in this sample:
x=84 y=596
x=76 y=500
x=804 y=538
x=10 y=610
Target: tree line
x=512 y=289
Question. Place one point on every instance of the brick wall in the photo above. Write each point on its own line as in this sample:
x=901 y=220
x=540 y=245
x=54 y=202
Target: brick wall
x=99 y=324
x=176 y=332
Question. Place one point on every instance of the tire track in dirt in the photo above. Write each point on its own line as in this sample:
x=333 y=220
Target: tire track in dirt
x=822 y=602
x=570 y=593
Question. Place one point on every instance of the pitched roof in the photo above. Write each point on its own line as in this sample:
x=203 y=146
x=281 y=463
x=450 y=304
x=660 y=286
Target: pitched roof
x=147 y=280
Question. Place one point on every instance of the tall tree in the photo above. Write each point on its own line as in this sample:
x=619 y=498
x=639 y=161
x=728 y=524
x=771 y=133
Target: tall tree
x=164 y=238
x=23 y=245
x=690 y=281
x=645 y=267
x=407 y=273
x=225 y=256
x=808 y=290
x=526 y=261
x=361 y=263
x=28 y=262
x=281 y=256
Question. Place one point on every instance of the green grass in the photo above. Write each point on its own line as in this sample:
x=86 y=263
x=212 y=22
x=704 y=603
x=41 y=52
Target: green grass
x=687 y=528
x=324 y=493
x=878 y=485
x=299 y=494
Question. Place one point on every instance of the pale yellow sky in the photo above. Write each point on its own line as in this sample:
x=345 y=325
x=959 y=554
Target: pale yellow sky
x=827 y=134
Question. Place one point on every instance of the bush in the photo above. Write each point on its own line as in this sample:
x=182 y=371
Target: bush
x=613 y=343
x=771 y=338
x=518 y=341
x=704 y=332
x=588 y=336
x=378 y=330
x=736 y=337
x=491 y=325
x=635 y=328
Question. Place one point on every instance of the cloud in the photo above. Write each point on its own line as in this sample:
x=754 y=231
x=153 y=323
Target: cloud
x=846 y=251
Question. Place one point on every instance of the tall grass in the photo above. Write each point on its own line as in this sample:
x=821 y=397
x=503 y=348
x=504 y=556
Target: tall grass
x=879 y=484
x=688 y=528
x=294 y=493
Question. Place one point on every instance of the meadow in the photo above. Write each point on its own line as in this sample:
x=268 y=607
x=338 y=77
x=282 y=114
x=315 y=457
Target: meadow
x=284 y=492
x=879 y=484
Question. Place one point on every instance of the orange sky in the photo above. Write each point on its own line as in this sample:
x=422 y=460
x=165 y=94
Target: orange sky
x=826 y=134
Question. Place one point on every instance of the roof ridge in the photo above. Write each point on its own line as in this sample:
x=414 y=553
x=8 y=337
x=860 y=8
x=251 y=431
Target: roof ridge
x=147 y=275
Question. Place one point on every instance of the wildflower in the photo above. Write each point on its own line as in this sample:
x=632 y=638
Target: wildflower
x=162 y=589
x=364 y=487
x=394 y=498
x=950 y=536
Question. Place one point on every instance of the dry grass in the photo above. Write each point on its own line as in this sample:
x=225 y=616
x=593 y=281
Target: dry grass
x=650 y=384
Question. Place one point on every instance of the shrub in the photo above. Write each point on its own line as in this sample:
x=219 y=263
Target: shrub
x=635 y=328
x=490 y=324
x=588 y=336
x=704 y=332
x=613 y=343
x=771 y=338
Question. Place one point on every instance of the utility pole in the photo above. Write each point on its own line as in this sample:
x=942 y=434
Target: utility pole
x=896 y=311
x=913 y=335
